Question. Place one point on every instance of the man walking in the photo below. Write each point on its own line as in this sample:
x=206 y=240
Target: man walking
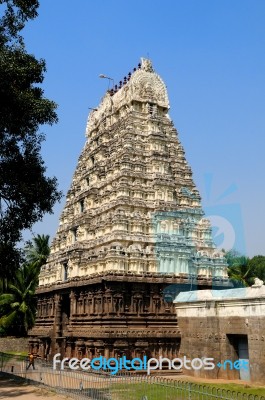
x=31 y=361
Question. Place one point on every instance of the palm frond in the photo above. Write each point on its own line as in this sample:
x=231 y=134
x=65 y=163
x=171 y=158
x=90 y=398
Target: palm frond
x=8 y=319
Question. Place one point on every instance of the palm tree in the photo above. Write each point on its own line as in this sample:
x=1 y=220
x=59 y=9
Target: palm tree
x=18 y=304
x=239 y=275
x=38 y=251
x=17 y=301
x=239 y=270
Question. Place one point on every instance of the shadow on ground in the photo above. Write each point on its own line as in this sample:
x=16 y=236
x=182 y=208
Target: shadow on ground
x=12 y=390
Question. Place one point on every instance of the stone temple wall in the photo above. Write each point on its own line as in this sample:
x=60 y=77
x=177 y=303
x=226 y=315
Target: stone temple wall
x=212 y=326
x=13 y=344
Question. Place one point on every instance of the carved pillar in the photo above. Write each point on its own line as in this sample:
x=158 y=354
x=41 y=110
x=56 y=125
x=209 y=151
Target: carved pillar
x=90 y=304
x=58 y=314
x=96 y=302
x=101 y=303
x=72 y=303
x=158 y=305
x=137 y=352
x=85 y=305
x=120 y=348
x=164 y=353
x=160 y=349
x=151 y=349
x=50 y=306
x=142 y=347
x=68 y=348
x=38 y=309
x=33 y=345
x=81 y=303
x=151 y=306
x=105 y=305
x=36 y=346
x=106 y=351
x=99 y=348
x=41 y=349
x=90 y=349
x=156 y=350
x=80 y=348
x=45 y=308
x=108 y=301
x=93 y=305
x=119 y=304
x=47 y=348
x=133 y=352
x=41 y=308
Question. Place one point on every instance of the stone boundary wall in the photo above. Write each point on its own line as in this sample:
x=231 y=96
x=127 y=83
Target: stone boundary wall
x=13 y=344
x=212 y=327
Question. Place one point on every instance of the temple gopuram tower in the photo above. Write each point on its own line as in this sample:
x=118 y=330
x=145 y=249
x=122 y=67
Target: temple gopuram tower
x=132 y=234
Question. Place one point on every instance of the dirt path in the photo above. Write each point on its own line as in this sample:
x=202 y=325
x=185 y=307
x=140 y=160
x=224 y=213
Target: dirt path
x=11 y=389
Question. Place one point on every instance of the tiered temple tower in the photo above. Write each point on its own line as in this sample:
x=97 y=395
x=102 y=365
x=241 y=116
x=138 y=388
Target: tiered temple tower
x=131 y=235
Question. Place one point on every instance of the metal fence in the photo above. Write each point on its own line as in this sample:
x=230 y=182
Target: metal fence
x=95 y=385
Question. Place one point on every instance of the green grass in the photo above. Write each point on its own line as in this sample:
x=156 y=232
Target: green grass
x=255 y=390
x=184 y=390
x=17 y=353
x=6 y=357
x=19 y=356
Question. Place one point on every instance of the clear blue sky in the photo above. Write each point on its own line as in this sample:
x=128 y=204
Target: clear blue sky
x=211 y=55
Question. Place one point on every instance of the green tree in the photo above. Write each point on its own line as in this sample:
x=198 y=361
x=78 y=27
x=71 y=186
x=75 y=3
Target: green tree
x=26 y=194
x=18 y=304
x=15 y=13
x=257 y=267
x=242 y=270
x=239 y=270
x=38 y=250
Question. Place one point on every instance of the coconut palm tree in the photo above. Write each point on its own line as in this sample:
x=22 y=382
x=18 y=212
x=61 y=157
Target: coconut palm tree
x=239 y=270
x=239 y=275
x=18 y=303
x=38 y=251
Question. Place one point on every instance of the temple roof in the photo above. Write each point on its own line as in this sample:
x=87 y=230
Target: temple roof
x=226 y=294
x=143 y=85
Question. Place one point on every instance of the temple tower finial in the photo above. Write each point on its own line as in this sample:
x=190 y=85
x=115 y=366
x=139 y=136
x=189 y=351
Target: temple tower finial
x=146 y=65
